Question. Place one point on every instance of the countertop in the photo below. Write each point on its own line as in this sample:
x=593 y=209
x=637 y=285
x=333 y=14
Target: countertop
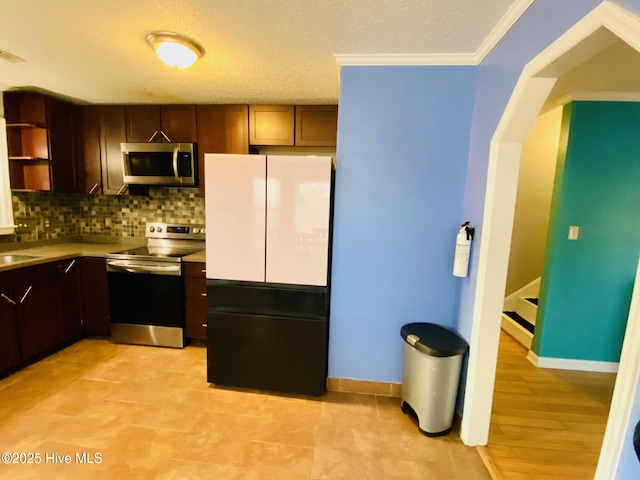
x=87 y=246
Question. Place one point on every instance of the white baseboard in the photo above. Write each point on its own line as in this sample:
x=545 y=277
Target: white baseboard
x=571 y=364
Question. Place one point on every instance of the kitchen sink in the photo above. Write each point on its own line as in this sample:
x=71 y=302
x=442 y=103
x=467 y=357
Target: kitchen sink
x=7 y=259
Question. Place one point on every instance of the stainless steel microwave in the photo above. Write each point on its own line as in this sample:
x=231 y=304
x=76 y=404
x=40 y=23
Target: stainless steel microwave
x=169 y=164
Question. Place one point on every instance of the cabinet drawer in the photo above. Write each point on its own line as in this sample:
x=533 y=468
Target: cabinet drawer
x=195 y=290
x=266 y=352
x=195 y=323
x=194 y=269
x=267 y=298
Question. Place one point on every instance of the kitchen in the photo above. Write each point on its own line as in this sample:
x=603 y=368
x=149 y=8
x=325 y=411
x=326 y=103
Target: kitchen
x=60 y=289
x=55 y=286
x=404 y=148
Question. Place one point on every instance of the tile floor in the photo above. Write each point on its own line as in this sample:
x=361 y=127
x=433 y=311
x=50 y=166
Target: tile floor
x=145 y=412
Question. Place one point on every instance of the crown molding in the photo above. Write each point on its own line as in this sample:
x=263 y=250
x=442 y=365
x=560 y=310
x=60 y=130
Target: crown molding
x=504 y=25
x=437 y=59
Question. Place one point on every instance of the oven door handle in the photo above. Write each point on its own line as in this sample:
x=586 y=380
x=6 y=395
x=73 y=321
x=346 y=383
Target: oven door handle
x=144 y=269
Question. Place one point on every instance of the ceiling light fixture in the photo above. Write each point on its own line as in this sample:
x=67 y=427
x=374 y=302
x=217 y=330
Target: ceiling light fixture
x=174 y=49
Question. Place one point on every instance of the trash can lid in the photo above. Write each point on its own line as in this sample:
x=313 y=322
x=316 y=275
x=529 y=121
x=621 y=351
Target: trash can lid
x=433 y=339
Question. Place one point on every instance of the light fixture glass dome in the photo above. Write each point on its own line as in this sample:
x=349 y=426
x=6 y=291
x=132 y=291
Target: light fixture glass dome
x=174 y=49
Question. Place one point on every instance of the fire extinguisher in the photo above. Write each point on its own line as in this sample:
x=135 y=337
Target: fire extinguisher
x=463 y=248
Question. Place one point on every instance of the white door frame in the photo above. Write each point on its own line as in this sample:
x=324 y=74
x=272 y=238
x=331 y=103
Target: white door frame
x=605 y=24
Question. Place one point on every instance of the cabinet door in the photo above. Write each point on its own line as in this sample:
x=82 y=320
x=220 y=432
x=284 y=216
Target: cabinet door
x=69 y=299
x=61 y=126
x=9 y=345
x=178 y=122
x=142 y=122
x=88 y=150
x=39 y=323
x=94 y=293
x=235 y=216
x=271 y=125
x=112 y=134
x=221 y=129
x=298 y=211
x=195 y=301
x=316 y=125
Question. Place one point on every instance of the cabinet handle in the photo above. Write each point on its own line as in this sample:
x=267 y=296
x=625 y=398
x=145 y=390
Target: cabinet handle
x=204 y=271
x=94 y=188
x=123 y=188
x=204 y=294
x=66 y=270
x=24 y=297
x=204 y=325
x=155 y=134
x=165 y=136
x=7 y=299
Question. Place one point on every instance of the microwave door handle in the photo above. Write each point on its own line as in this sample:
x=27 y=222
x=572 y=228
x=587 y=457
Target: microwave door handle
x=175 y=163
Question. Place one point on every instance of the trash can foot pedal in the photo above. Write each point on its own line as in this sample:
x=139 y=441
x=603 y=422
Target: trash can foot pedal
x=411 y=413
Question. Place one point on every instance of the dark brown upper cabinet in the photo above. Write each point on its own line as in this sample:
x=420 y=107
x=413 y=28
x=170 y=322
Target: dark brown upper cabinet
x=300 y=126
x=88 y=149
x=40 y=140
x=316 y=125
x=146 y=122
x=221 y=129
x=113 y=132
x=271 y=125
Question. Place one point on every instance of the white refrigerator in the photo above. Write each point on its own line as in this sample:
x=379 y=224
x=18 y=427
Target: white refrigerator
x=268 y=249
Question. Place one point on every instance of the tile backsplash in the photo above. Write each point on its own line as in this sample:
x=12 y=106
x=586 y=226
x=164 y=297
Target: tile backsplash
x=59 y=215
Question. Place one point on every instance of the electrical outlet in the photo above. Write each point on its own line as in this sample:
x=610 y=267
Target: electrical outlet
x=26 y=224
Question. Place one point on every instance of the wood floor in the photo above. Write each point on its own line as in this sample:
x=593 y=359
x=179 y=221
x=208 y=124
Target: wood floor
x=546 y=424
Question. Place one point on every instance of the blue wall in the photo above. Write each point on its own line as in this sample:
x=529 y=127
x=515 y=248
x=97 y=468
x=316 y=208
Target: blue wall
x=403 y=136
x=587 y=283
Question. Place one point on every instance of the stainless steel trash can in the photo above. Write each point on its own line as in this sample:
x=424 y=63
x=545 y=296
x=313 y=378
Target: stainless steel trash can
x=430 y=375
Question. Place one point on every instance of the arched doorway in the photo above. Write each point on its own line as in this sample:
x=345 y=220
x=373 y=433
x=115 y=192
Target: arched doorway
x=605 y=26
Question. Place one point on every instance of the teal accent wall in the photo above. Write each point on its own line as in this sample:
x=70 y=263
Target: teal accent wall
x=587 y=284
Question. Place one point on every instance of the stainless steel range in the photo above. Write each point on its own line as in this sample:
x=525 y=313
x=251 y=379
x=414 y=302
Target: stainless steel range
x=146 y=287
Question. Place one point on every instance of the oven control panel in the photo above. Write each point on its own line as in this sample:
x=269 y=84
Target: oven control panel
x=174 y=231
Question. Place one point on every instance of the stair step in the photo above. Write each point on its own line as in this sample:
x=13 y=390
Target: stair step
x=519 y=333
x=532 y=300
x=526 y=309
x=524 y=323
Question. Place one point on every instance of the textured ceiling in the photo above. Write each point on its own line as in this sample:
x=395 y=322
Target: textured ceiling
x=257 y=51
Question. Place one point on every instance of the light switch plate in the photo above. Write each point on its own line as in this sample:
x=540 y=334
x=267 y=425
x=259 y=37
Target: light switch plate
x=574 y=232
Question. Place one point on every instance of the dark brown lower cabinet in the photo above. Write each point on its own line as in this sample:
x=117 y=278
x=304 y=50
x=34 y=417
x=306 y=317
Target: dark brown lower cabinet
x=69 y=299
x=94 y=290
x=195 y=301
x=30 y=297
x=9 y=346
x=39 y=311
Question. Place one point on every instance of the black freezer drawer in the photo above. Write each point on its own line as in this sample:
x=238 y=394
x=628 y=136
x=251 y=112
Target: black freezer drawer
x=267 y=352
x=267 y=299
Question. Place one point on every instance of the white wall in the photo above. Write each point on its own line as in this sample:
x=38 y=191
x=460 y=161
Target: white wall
x=533 y=202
